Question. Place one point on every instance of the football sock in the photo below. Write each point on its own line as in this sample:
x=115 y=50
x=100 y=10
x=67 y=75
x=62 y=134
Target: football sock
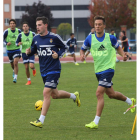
x=128 y=100
x=96 y=119
x=42 y=118
x=15 y=76
x=72 y=96
x=29 y=79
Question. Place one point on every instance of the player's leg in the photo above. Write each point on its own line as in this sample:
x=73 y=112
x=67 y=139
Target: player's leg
x=27 y=74
x=61 y=94
x=74 y=58
x=11 y=60
x=16 y=57
x=26 y=64
x=119 y=96
x=31 y=63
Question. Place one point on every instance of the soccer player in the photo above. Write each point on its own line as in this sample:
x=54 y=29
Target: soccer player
x=88 y=50
x=10 y=35
x=50 y=47
x=113 y=33
x=71 y=42
x=25 y=39
x=102 y=47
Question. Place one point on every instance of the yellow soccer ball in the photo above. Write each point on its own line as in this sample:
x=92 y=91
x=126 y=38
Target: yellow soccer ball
x=38 y=105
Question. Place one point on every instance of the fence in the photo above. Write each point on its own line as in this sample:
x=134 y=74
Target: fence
x=132 y=46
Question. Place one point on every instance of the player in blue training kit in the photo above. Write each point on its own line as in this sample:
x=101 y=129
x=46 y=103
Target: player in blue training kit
x=10 y=35
x=50 y=48
x=72 y=43
x=25 y=39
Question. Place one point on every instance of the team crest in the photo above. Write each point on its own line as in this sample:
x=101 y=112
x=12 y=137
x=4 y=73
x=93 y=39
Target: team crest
x=51 y=40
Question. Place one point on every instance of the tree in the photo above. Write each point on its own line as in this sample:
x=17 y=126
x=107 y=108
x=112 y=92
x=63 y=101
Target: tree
x=116 y=13
x=37 y=10
x=132 y=7
x=64 y=29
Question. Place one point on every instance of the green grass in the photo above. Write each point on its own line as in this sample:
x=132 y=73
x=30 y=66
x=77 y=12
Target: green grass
x=66 y=121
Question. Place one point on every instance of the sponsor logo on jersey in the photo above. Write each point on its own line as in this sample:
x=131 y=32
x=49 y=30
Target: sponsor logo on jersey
x=101 y=48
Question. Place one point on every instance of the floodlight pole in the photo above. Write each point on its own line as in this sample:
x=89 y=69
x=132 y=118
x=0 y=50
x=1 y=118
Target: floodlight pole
x=72 y=8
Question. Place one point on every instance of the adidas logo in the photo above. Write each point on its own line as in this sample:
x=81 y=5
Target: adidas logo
x=27 y=39
x=13 y=36
x=101 y=48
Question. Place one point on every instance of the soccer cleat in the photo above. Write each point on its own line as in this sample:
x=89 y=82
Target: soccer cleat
x=92 y=125
x=28 y=83
x=37 y=123
x=77 y=64
x=14 y=80
x=64 y=55
x=133 y=103
x=77 y=100
x=34 y=72
x=84 y=62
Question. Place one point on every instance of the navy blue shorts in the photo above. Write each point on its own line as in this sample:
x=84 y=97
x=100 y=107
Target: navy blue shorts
x=28 y=59
x=13 y=54
x=51 y=80
x=104 y=79
x=71 y=50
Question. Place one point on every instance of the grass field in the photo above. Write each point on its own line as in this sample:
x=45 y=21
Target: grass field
x=66 y=121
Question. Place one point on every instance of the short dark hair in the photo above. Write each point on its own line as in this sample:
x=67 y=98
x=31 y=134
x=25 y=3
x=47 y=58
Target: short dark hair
x=99 y=18
x=71 y=34
x=112 y=30
x=44 y=19
x=25 y=23
x=123 y=32
x=12 y=20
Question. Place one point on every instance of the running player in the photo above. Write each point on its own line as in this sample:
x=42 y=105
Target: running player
x=88 y=50
x=50 y=47
x=25 y=39
x=102 y=47
x=72 y=43
x=113 y=33
x=10 y=35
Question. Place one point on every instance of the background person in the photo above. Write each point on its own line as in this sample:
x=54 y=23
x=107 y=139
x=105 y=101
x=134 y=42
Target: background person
x=10 y=35
x=25 y=39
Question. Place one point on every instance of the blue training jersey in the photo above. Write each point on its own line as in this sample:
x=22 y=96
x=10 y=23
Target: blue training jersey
x=43 y=46
x=71 y=41
x=20 y=36
x=87 y=43
x=5 y=34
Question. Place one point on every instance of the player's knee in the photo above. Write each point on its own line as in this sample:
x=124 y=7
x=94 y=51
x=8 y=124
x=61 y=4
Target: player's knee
x=54 y=96
x=99 y=95
x=32 y=66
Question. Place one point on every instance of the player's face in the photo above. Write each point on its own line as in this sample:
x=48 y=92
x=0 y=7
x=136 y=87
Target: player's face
x=99 y=26
x=25 y=28
x=72 y=36
x=12 y=25
x=112 y=32
x=41 y=27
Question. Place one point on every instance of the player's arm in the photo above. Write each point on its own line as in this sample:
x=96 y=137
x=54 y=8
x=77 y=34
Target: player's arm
x=115 y=44
x=18 y=41
x=33 y=49
x=86 y=45
x=62 y=48
x=19 y=31
x=5 y=34
x=68 y=43
x=126 y=39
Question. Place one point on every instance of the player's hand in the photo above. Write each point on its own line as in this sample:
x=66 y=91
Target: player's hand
x=54 y=55
x=124 y=57
x=9 y=43
x=71 y=45
x=82 y=57
x=28 y=51
x=19 y=43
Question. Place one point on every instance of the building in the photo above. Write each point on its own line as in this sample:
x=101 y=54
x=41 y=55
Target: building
x=62 y=13
x=8 y=12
